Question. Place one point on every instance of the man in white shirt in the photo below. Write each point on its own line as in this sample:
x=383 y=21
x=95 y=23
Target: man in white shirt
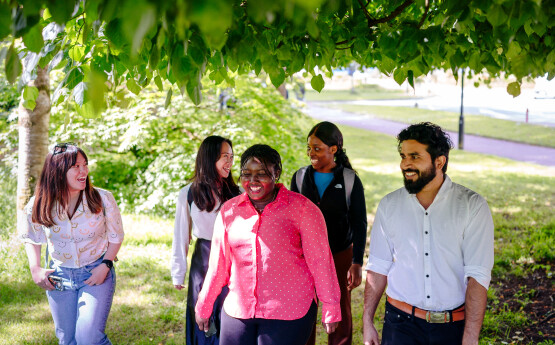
x=432 y=245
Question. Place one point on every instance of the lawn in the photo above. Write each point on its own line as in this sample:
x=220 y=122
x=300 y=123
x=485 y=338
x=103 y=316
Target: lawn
x=361 y=92
x=148 y=310
x=473 y=124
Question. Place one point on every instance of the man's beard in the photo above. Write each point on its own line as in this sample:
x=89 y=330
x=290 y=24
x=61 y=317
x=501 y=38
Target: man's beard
x=423 y=179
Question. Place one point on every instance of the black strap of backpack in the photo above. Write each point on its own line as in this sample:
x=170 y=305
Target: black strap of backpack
x=190 y=197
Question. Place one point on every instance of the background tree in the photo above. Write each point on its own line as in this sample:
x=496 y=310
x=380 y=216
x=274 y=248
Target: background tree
x=103 y=44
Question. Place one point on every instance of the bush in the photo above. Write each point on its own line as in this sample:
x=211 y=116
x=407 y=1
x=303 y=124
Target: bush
x=145 y=153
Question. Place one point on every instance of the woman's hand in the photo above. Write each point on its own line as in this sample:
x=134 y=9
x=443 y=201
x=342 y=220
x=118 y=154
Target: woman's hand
x=179 y=287
x=98 y=275
x=330 y=327
x=40 y=277
x=203 y=324
x=354 y=276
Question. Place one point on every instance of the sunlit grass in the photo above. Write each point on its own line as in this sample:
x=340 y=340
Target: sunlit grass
x=148 y=310
x=360 y=92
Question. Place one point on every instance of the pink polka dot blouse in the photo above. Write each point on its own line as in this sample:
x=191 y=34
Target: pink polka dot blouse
x=274 y=263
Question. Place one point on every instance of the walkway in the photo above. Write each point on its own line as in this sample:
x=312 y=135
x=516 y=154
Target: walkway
x=508 y=149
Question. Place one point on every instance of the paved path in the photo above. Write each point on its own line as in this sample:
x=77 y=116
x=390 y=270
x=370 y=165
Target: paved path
x=508 y=149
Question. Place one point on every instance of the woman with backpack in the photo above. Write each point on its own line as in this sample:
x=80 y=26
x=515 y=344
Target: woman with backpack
x=198 y=205
x=331 y=183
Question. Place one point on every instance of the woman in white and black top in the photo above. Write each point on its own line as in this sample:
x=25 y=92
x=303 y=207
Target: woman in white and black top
x=197 y=207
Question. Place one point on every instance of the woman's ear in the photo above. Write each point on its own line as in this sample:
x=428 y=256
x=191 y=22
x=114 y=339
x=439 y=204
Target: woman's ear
x=333 y=149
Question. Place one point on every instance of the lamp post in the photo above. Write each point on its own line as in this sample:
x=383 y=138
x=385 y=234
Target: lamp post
x=461 y=118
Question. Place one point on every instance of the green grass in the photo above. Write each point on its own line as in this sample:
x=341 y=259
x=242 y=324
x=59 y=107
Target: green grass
x=148 y=310
x=473 y=124
x=361 y=92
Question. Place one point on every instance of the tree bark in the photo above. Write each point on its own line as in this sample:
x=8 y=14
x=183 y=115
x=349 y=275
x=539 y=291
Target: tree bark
x=33 y=140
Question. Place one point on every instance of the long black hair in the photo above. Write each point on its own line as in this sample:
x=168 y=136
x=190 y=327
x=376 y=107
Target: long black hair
x=331 y=135
x=207 y=184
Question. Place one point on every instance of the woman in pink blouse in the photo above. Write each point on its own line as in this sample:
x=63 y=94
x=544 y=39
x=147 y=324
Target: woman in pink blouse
x=82 y=229
x=270 y=247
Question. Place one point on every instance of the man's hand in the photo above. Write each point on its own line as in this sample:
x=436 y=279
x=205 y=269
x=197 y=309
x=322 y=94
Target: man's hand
x=370 y=336
x=354 y=276
x=373 y=291
x=179 y=287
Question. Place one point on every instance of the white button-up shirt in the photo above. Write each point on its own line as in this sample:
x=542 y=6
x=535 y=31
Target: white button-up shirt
x=186 y=219
x=428 y=255
x=78 y=241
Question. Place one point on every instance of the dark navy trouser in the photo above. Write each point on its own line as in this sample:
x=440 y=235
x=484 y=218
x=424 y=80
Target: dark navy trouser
x=267 y=331
x=401 y=328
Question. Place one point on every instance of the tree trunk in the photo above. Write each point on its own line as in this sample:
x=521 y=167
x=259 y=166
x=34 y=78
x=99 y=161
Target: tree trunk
x=33 y=140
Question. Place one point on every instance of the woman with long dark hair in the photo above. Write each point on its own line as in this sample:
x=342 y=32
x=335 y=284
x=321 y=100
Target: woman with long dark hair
x=331 y=183
x=270 y=247
x=81 y=226
x=197 y=206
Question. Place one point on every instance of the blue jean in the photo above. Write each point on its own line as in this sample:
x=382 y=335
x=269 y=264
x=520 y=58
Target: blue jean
x=80 y=311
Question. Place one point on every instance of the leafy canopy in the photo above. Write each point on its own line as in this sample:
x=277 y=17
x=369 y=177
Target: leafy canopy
x=101 y=44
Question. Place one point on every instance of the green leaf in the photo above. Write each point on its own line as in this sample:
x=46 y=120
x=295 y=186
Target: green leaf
x=33 y=39
x=317 y=82
x=514 y=50
x=400 y=75
x=168 y=98
x=514 y=89
x=154 y=57
x=277 y=77
x=496 y=16
x=158 y=82
x=132 y=86
x=284 y=52
x=12 y=65
x=30 y=94
x=76 y=53
x=61 y=10
x=194 y=92
x=410 y=77
x=79 y=93
x=5 y=19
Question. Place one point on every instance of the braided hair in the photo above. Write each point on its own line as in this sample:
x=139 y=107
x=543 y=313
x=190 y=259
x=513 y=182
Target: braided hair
x=331 y=135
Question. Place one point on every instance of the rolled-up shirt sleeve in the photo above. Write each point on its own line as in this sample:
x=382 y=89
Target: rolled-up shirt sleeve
x=319 y=260
x=114 y=225
x=180 y=244
x=28 y=231
x=380 y=257
x=478 y=244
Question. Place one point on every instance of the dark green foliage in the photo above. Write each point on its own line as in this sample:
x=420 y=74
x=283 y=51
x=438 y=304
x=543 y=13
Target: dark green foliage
x=131 y=42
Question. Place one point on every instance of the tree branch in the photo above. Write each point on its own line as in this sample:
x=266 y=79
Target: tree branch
x=393 y=14
x=425 y=14
x=365 y=11
x=345 y=41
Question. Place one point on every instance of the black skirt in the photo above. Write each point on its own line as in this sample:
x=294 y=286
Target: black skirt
x=197 y=273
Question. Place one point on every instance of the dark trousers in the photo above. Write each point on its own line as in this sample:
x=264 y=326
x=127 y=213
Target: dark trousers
x=197 y=273
x=343 y=335
x=267 y=331
x=401 y=328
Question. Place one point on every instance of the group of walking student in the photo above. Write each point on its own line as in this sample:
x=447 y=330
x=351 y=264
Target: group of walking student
x=267 y=254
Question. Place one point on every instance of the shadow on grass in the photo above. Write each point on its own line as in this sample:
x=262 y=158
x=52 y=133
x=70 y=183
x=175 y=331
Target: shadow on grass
x=147 y=309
